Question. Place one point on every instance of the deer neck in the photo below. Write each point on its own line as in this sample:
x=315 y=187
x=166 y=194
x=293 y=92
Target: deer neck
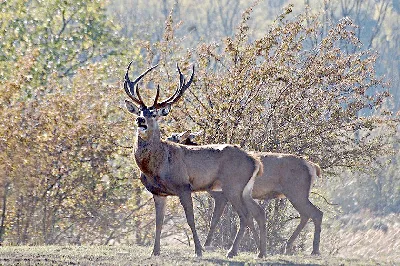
x=148 y=153
x=148 y=143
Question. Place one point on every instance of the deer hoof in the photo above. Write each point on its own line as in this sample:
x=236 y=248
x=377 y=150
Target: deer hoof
x=287 y=250
x=231 y=254
x=315 y=253
x=155 y=253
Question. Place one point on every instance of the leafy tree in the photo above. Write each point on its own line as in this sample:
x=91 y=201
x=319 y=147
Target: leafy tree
x=282 y=93
x=61 y=173
x=64 y=35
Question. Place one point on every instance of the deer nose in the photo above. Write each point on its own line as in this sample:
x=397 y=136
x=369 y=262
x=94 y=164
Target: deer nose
x=140 y=120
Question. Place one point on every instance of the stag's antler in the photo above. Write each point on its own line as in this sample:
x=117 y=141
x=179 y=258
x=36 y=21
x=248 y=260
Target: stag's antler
x=178 y=93
x=129 y=86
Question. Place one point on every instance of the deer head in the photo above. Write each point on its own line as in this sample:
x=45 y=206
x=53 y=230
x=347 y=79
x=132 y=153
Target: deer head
x=147 y=116
x=185 y=137
x=180 y=137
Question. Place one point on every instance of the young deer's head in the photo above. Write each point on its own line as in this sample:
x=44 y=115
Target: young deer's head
x=147 y=116
x=186 y=137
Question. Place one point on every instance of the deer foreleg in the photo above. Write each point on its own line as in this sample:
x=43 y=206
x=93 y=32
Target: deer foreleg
x=219 y=205
x=185 y=198
x=159 y=203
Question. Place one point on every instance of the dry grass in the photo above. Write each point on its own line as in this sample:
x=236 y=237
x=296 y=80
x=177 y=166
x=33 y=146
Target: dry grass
x=171 y=255
x=361 y=239
x=365 y=235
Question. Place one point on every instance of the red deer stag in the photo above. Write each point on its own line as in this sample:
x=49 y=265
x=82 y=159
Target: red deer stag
x=284 y=175
x=171 y=169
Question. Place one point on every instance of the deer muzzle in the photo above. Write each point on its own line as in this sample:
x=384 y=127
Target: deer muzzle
x=141 y=123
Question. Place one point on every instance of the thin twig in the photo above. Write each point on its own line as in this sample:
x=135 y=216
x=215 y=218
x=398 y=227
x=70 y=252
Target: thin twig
x=327 y=202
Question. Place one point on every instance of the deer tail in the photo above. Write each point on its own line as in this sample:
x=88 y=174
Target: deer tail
x=315 y=171
x=258 y=170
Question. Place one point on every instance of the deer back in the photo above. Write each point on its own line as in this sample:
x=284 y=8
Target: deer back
x=283 y=173
x=212 y=166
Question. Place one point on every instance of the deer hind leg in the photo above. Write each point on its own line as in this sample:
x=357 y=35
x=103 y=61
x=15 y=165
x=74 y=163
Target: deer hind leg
x=238 y=204
x=307 y=210
x=185 y=198
x=254 y=231
x=219 y=205
x=302 y=224
x=258 y=213
x=317 y=220
x=159 y=203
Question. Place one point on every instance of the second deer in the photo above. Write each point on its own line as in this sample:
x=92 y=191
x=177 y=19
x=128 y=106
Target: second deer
x=284 y=175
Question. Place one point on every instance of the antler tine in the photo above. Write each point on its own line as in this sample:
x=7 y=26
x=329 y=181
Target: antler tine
x=157 y=95
x=183 y=86
x=179 y=91
x=181 y=77
x=126 y=82
x=138 y=94
x=129 y=86
x=144 y=73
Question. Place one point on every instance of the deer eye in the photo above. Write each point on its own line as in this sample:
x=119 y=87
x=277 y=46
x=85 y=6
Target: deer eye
x=164 y=111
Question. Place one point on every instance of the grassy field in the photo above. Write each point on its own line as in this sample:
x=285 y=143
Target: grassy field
x=362 y=239
x=172 y=255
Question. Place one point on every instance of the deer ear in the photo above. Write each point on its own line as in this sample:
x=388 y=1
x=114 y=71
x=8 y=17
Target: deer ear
x=165 y=110
x=184 y=135
x=132 y=108
x=195 y=134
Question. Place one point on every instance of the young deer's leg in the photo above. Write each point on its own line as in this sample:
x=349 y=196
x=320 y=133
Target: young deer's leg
x=302 y=224
x=185 y=198
x=219 y=205
x=159 y=203
x=307 y=210
x=317 y=220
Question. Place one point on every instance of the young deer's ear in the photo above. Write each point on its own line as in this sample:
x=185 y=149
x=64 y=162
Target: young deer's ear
x=132 y=108
x=164 y=111
x=195 y=134
x=184 y=135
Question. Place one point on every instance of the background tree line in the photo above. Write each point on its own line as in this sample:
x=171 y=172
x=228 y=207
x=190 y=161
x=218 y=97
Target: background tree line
x=269 y=76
